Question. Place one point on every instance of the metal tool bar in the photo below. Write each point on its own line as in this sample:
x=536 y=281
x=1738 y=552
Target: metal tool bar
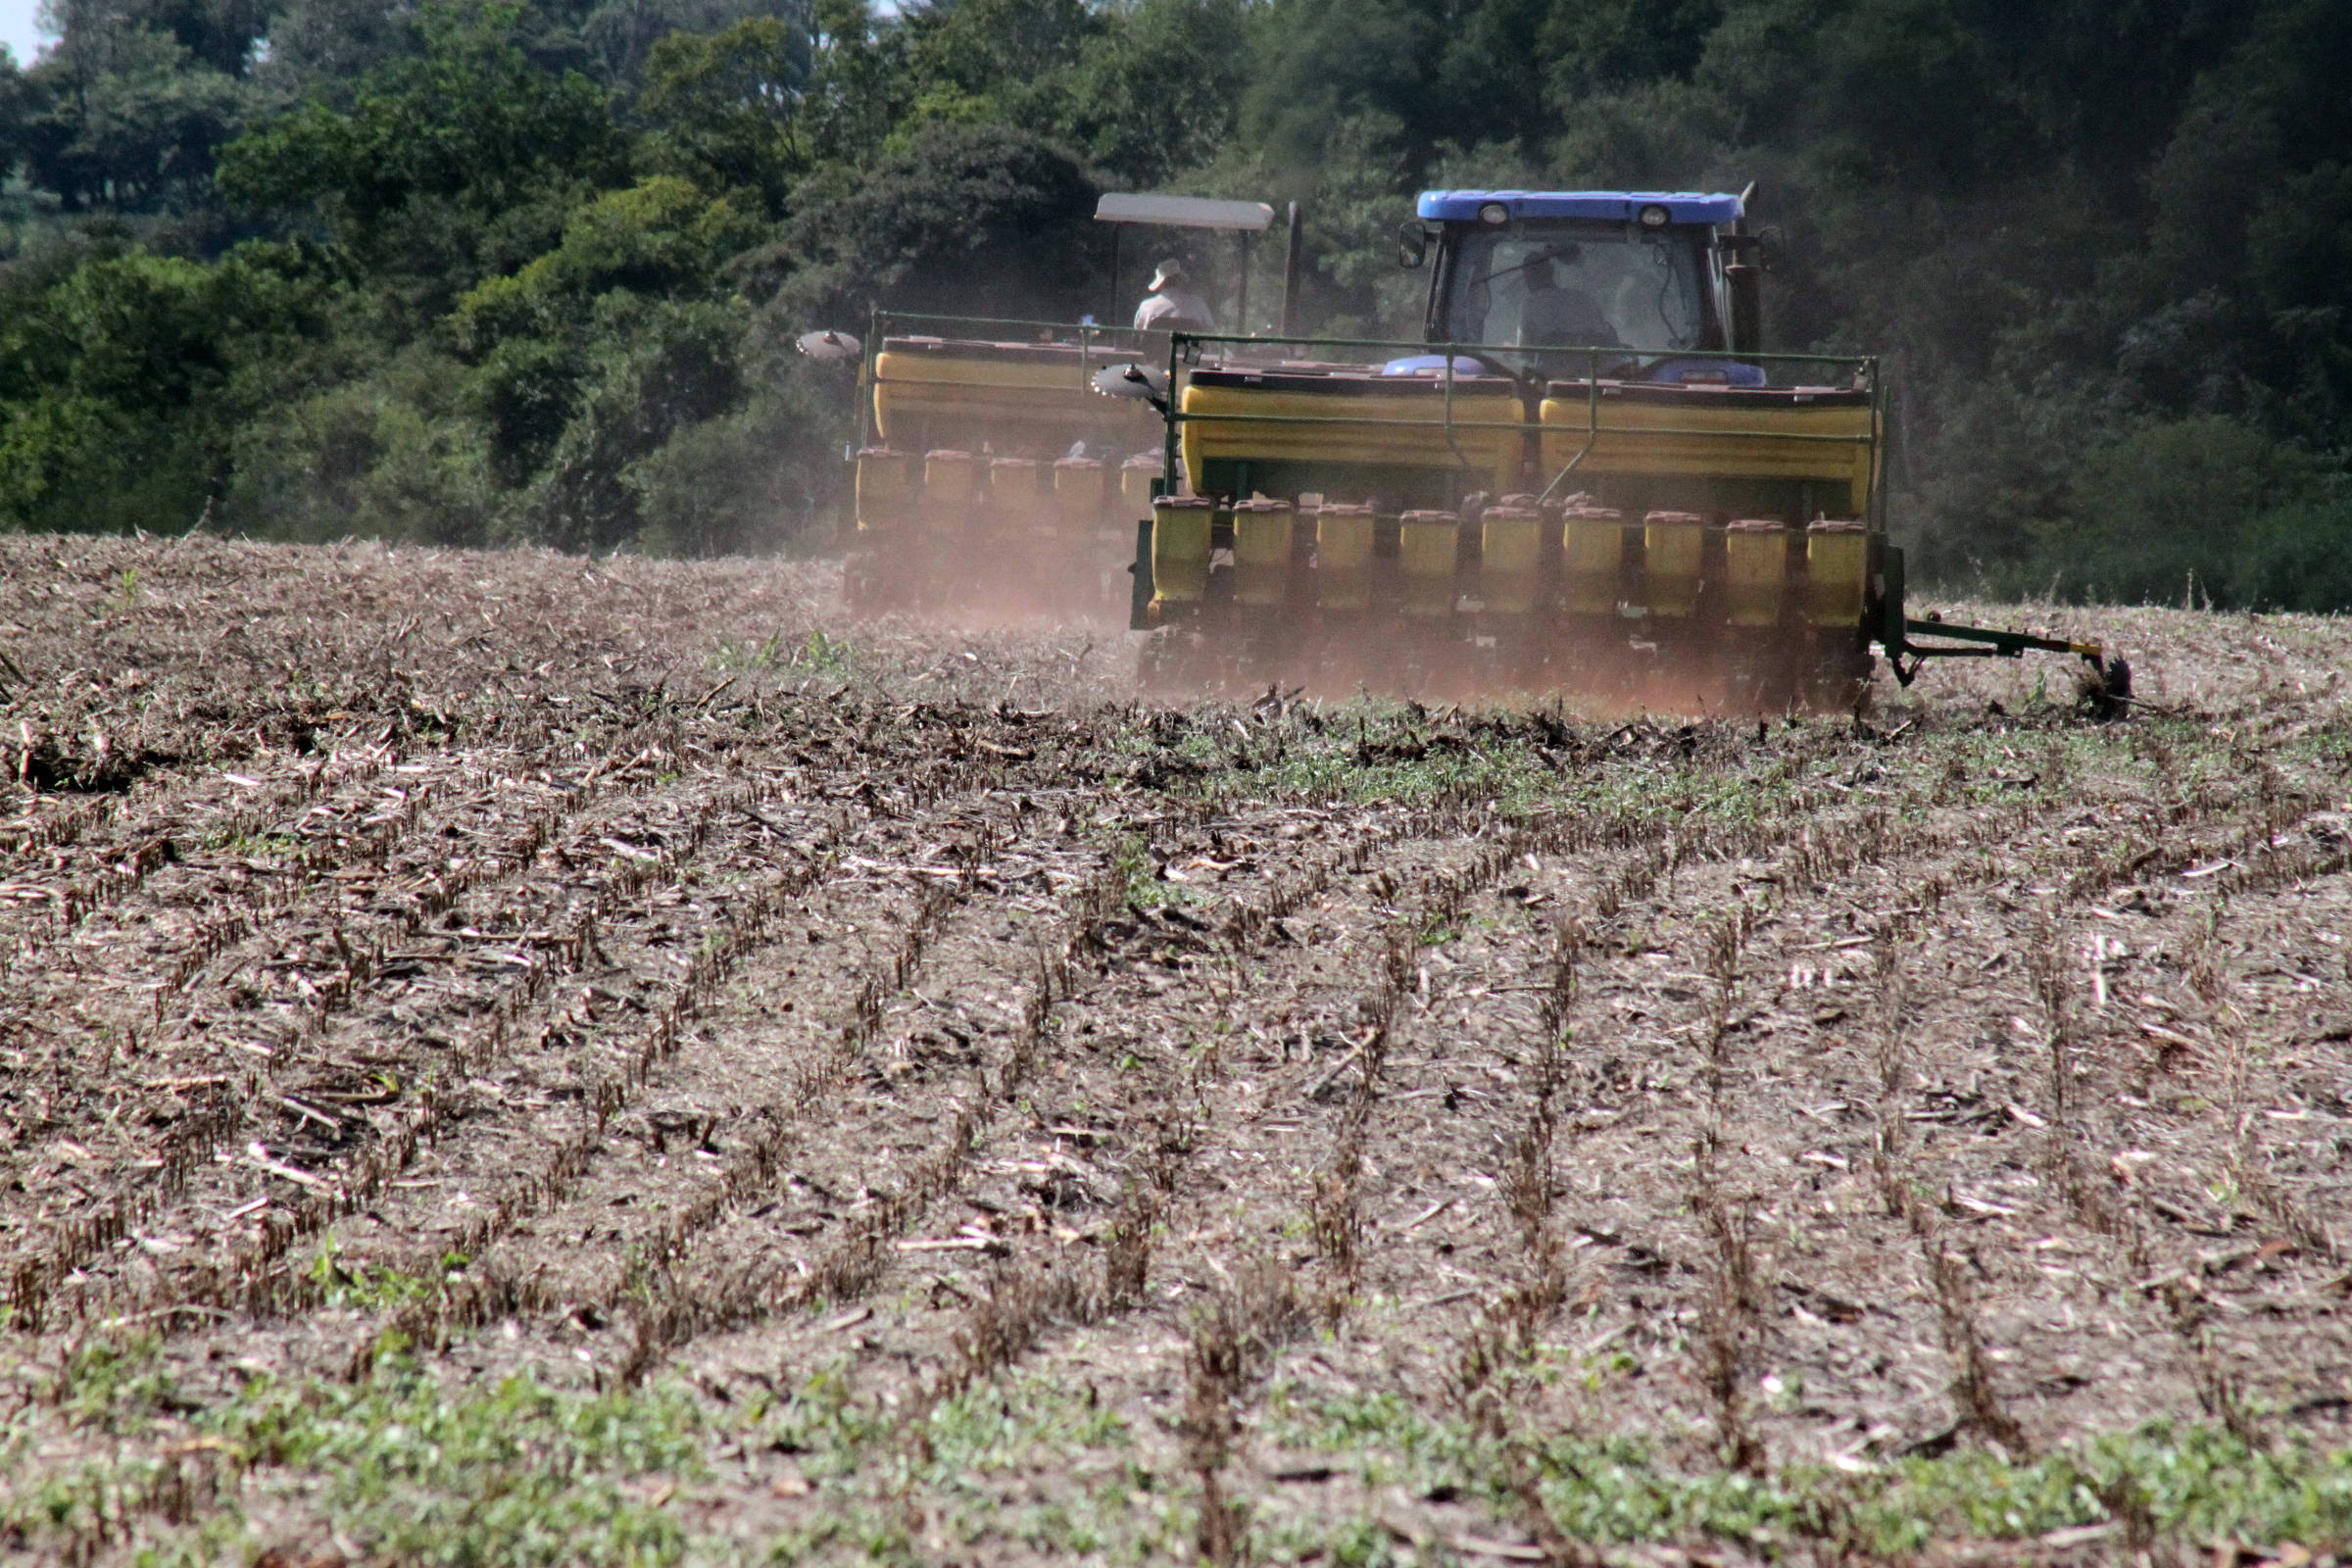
x=2004 y=644
x=1591 y=352
x=2112 y=676
x=1095 y=345
x=1524 y=427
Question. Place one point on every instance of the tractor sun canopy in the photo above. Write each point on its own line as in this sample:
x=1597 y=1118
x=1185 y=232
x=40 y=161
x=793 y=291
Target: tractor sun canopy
x=1184 y=211
x=1619 y=205
x=1239 y=218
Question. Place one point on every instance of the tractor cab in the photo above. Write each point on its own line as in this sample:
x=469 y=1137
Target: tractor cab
x=1617 y=285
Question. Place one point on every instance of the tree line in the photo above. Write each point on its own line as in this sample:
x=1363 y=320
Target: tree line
x=504 y=270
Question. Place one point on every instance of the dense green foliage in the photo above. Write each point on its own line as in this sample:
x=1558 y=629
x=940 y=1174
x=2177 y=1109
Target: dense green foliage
x=530 y=269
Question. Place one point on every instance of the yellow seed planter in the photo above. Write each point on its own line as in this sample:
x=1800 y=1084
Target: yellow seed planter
x=1820 y=436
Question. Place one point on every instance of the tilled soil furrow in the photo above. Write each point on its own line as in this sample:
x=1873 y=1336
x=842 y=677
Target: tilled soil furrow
x=607 y=1091
x=859 y=1254
x=2090 y=1084
x=1024 y=1298
x=234 y=916
x=1853 y=1221
x=1816 y=850
x=1052 y=1279
x=354 y=1178
x=800 y=1080
x=1740 y=1339
x=603 y=1090
x=434 y=893
x=2110 y=1213
x=933 y=1174
x=1251 y=1297
x=1030 y=1183
x=264 y=1101
x=985 y=1117
x=66 y=867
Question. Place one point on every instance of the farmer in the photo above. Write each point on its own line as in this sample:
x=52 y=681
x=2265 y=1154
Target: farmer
x=1170 y=307
x=1554 y=317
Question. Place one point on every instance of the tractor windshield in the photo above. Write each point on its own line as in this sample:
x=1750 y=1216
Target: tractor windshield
x=1582 y=287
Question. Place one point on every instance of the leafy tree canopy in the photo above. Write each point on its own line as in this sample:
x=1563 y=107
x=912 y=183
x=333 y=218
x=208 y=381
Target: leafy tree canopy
x=471 y=119
x=537 y=261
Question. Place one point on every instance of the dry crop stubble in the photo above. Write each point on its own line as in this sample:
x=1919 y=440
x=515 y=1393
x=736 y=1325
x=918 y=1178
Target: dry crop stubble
x=309 y=1029
x=666 y=1069
x=1028 y=1294
x=1444 y=902
x=307 y=1038
x=1269 y=1132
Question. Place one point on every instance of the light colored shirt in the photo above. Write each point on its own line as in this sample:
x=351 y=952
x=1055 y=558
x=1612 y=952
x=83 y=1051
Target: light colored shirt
x=1174 y=310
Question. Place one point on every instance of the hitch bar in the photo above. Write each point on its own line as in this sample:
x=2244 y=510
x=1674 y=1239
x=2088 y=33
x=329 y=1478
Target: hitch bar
x=2111 y=686
x=1982 y=642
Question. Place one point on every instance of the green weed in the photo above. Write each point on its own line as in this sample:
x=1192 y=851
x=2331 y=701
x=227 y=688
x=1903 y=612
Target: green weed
x=112 y=1387
x=360 y=1288
x=414 y=1471
x=870 y=1467
x=2187 y=1484
x=516 y=1473
x=816 y=653
x=1139 y=873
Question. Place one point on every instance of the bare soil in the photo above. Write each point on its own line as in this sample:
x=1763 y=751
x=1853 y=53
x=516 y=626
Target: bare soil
x=998 y=1117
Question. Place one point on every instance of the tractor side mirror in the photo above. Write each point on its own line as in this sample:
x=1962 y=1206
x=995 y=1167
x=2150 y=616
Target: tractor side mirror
x=1412 y=245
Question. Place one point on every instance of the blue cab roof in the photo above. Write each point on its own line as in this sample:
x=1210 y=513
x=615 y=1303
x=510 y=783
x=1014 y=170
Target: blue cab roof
x=1620 y=206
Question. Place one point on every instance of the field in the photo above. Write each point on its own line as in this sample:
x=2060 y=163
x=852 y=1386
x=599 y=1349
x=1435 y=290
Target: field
x=510 y=1058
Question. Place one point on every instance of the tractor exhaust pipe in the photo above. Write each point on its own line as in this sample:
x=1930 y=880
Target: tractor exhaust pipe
x=1745 y=279
x=1292 y=261
x=1747 y=307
